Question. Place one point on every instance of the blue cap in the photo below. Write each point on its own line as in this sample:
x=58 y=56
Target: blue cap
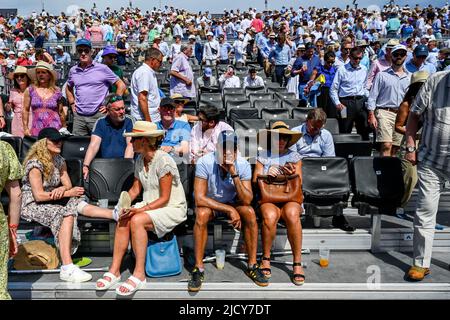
x=207 y=72
x=421 y=51
x=227 y=139
x=83 y=42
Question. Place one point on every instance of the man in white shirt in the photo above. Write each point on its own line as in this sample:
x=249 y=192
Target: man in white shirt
x=229 y=80
x=211 y=50
x=253 y=80
x=23 y=44
x=145 y=98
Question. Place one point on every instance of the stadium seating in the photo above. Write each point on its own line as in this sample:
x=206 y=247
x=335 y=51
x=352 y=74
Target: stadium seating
x=75 y=147
x=267 y=104
x=300 y=113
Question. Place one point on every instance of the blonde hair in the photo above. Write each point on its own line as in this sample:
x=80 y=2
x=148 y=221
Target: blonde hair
x=40 y=152
x=51 y=82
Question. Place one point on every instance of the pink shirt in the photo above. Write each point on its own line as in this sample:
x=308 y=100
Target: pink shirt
x=205 y=142
x=96 y=34
x=16 y=101
x=378 y=66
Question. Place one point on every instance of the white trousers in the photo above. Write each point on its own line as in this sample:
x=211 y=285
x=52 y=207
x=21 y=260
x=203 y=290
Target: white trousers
x=431 y=185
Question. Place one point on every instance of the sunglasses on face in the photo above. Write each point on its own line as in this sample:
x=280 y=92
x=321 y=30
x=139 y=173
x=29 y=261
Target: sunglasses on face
x=81 y=51
x=399 y=54
x=20 y=76
x=136 y=139
x=357 y=58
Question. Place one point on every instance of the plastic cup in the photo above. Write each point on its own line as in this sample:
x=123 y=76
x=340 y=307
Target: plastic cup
x=324 y=256
x=220 y=259
x=344 y=113
x=103 y=203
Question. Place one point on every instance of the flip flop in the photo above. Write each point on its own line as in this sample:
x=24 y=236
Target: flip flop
x=82 y=261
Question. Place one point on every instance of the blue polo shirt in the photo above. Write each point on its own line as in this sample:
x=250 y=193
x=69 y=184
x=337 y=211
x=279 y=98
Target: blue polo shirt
x=312 y=64
x=428 y=67
x=319 y=146
x=221 y=188
x=328 y=74
x=113 y=143
x=178 y=131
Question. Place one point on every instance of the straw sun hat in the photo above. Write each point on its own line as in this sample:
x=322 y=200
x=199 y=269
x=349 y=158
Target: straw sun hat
x=280 y=128
x=144 y=129
x=42 y=65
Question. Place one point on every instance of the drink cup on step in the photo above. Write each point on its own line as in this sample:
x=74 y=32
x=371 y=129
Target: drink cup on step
x=220 y=259
x=324 y=256
x=344 y=113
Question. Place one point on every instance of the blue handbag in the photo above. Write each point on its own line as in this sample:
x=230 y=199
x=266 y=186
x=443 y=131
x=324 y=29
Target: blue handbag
x=163 y=257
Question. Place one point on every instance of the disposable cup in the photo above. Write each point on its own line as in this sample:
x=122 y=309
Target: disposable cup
x=324 y=256
x=220 y=259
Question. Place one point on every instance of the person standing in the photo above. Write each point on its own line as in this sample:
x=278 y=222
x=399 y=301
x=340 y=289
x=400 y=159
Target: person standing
x=87 y=87
x=279 y=57
x=384 y=100
x=433 y=164
x=145 y=96
x=349 y=95
x=182 y=76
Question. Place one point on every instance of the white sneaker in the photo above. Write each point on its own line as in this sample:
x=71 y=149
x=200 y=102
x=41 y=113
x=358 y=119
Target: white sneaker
x=74 y=275
x=123 y=203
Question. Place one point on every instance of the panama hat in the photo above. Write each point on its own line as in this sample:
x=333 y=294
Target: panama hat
x=144 y=129
x=42 y=65
x=280 y=127
x=178 y=97
x=419 y=76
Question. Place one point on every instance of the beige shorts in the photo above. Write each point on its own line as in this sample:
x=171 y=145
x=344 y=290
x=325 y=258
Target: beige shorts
x=386 y=127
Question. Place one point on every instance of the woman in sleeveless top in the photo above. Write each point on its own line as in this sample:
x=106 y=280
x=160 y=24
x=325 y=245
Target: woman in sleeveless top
x=44 y=100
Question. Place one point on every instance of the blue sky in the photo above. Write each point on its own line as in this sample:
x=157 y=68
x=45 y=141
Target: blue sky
x=26 y=6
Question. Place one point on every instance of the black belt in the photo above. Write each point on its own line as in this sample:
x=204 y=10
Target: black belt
x=394 y=110
x=352 y=98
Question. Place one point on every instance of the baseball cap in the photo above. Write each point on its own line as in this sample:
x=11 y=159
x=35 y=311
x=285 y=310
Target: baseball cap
x=399 y=47
x=51 y=134
x=191 y=37
x=167 y=102
x=210 y=34
x=227 y=139
x=58 y=47
x=421 y=51
x=83 y=42
x=207 y=72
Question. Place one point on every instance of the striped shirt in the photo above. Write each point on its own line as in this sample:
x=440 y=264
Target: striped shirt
x=349 y=82
x=433 y=103
x=388 y=89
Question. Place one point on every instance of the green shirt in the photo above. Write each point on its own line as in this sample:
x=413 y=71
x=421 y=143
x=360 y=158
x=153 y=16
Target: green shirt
x=118 y=72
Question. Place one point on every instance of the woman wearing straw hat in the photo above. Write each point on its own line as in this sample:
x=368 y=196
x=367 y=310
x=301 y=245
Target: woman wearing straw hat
x=44 y=99
x=15 y=103
x=278 y=159
x=162 y=209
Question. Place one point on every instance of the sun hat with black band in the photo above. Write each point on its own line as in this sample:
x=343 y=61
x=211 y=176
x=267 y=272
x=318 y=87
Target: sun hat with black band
x=51 y=134
x=144 y=129
x=280 y=128
x=179 y=98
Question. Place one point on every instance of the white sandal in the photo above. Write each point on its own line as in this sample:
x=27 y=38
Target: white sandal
x=107 y=283
x=131 y=289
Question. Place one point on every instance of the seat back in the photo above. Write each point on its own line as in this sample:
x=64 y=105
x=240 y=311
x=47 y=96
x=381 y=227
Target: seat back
x=259 y=96
x=75 y=147
x=27 y=143
x=237 y=104
x=267 y=104
x=300 y=113
x=252 y=90
x=75 y=171
x=249 y=125
x=227 y=91
x=276 y=89
x=209 y=90
x=109 y=177
x=234 y=97
x=290 y=104
x=243 y=113
x=332 y=125
x=285 y=95
x=377 y=181
x=346 y=137
x=207 y=97
x=353 y=149
x=292 y=123
x=325 y=180
x=274 y=114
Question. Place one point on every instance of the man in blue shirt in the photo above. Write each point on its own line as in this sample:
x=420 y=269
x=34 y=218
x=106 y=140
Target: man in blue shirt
x=107 y=135
x=304 y=67
x=224 y=50
x=418 y=61
x=318 y=142
x=223 y=185
x=178 y=133
x=280 y=56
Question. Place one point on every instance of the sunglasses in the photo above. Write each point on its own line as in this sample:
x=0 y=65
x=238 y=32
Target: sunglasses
x=357 y=58
x=399 y=54
x=20 y=76
x=81 y=51
x=136 y=139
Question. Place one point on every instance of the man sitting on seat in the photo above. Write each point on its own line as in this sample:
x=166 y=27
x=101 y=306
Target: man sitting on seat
x=178 y=133
x=318 y=142
x=107 y=135
x=229 y=79
x=223 y=184
x=207 y=80
x=206 y=131
x=253 y=80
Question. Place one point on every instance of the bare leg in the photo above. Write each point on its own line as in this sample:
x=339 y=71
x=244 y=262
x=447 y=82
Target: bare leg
x=291 y=215
x=385 y=150
x=250 y=227
x=96 y=212
x=202 y=216
x=65 y=239
x=270 y=214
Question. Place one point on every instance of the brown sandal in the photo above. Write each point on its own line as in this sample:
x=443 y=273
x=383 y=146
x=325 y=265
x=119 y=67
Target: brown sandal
x=266 y=271
x=298 y=275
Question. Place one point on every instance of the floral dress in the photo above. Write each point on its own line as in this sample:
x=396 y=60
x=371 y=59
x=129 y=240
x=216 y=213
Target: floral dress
x=50 y=213
x=45 y=111
x=10 y=169
x=16 y=100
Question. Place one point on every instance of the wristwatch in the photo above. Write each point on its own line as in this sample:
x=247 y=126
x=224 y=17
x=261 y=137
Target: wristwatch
x=410 y=149
x=234 y=176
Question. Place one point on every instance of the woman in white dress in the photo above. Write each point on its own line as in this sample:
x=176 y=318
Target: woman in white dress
x=162 y=209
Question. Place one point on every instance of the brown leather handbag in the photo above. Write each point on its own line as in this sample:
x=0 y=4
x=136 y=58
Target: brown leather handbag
x=280 y=189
